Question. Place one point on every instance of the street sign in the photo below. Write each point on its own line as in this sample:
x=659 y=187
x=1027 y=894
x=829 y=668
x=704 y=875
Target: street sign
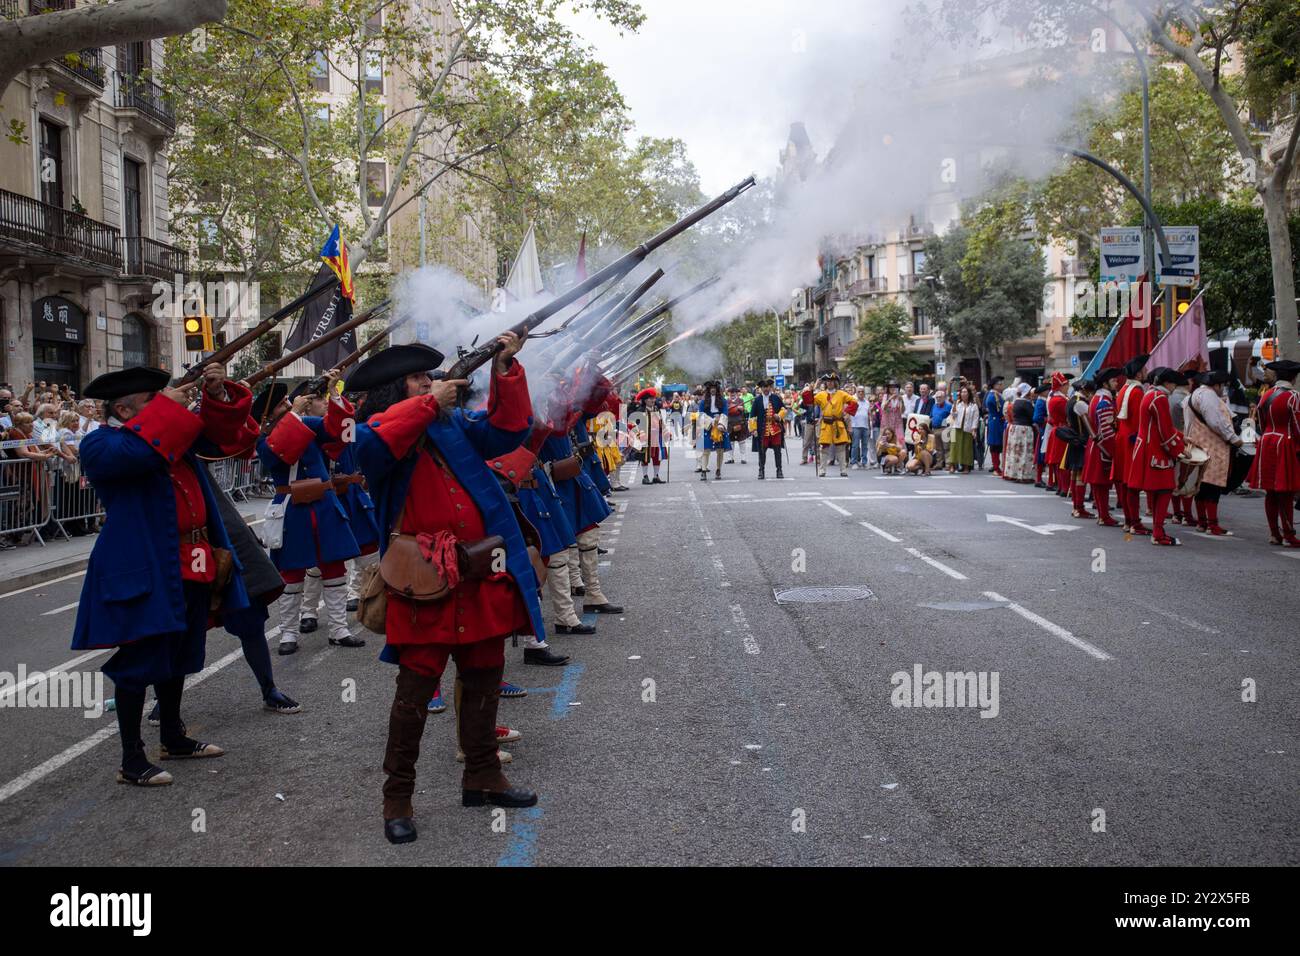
x=772 y=367
x=940 y=368
x=1185 y=249
x=787 y=367
x=779 y=381
x=1074 y=361
x=1122 y=257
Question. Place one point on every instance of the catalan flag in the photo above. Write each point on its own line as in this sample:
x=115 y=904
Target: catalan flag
x=335 y=255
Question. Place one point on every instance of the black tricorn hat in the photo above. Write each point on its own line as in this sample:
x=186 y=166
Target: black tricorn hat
x=127 y=381
x=300 y=389
x=1214 y=378
x=1168 y=376
x=267 y=399
x=995 y=379
x=1135 y=365
x=1285 y=369
x=1109 y=372
x=391 y=364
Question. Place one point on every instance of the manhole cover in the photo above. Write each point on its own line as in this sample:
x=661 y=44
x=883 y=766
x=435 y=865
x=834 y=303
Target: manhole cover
x=833 y=595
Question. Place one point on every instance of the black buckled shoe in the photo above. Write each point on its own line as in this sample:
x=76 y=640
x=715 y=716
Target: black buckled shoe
x=605 y=608
x=545 y=657
x=575 y=629
x=306 y=625
x=400 y=830
x=512 y=797
x=579 y=591
x=287 y=647
x=645 y=479
x=278 y=702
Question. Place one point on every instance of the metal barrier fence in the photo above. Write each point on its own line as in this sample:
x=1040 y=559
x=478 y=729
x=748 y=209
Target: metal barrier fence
x=55 y=495
x=24 y=497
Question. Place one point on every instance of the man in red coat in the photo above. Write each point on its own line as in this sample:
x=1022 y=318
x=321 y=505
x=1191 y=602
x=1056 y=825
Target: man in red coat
x=1277 y=468
x=1058 y=407
x=1128 y=402
x=1155 y=453
x=1099 y=458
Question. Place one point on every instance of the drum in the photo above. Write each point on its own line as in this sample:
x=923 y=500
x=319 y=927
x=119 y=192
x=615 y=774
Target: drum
x=1190 y=465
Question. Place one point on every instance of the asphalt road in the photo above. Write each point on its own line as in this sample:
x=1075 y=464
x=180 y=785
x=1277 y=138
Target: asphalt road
x=713 y=725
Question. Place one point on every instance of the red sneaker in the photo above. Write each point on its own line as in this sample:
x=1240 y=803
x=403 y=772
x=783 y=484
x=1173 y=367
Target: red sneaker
x=507 y=736
x=1214 y=529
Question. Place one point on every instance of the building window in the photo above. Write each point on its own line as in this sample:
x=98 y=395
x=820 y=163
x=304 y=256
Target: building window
x=136 y=344
x=320 y=72
x=51 y=150
x=209 y=240
x=918 y=262
x=376 y=183
x=871 y=267
x=374 y=73
x=920 y=322
x=375 y=23
x=321 y=117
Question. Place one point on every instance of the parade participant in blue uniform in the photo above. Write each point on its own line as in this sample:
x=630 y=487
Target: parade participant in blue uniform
x=424 y=461
x=584 y=505
x=314 y=530
x=1040 y=434
x=542 y=506
x=163 y=551
x=769 y=432
x=716 y=437
x=995 y=423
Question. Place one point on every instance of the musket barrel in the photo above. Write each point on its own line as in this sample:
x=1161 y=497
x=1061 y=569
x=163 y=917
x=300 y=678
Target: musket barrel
x=286 y=360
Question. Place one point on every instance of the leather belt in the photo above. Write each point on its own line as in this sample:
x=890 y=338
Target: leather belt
x=341 y=482
x=195 y=536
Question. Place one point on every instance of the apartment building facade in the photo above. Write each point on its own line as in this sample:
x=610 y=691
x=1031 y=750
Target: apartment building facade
x=84 y=213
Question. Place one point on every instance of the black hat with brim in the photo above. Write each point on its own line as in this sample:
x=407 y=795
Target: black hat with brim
x=996 y=379
x=1106 y=374
x=1135 y=365
x=1285 y=368
x=392 y=364
x=1168 y=376
x=300 y=389
x=267 y=400
x=128 y=381
x=1214 y=378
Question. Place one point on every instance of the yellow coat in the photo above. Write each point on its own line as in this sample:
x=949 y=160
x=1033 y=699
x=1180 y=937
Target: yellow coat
x=834 y=427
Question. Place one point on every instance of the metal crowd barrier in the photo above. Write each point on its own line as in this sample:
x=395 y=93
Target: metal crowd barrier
x=74 y=506
x=24 y=496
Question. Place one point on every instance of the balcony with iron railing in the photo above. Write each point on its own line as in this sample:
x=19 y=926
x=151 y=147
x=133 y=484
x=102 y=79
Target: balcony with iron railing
x=148 y=258
x=918 y=230
x=86 y=66
x=34 y=230
x=869 y=286
x=11 y=9
x=147 y=98
x=909 y=283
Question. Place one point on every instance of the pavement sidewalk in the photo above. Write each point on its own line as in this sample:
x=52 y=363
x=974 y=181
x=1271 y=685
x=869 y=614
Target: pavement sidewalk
x=33 y=564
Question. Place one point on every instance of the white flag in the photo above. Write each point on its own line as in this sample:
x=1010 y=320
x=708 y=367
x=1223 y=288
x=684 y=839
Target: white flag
x=525 y=279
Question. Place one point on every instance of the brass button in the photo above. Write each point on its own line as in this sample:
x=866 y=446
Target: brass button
x=461 y=629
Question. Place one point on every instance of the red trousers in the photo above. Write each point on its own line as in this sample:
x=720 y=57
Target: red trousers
x=430 y=660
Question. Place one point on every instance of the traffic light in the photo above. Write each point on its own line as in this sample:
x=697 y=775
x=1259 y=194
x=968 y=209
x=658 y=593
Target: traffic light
x=1177 y=300
x=198 y=333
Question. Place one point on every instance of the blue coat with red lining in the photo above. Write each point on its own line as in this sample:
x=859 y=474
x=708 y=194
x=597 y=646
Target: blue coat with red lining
x=308 y=543
x=133 y=584
x=464 y=439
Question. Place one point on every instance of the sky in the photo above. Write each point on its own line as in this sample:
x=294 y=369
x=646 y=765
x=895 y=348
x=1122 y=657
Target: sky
x=728 y=77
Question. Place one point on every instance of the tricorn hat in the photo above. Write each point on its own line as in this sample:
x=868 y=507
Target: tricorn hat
x=1135 y=365
x=1106 y=374
x=1168 y=376
x=1214 y=378
x=267 y=400
x=127 y=381
x=392 y=364
x=1285 y=368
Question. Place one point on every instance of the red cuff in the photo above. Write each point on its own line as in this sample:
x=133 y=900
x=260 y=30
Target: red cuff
x=168 y=427
x=509 y=407
x=339 y=411
x=290 y=438
x=402 y=424
x=226 y=422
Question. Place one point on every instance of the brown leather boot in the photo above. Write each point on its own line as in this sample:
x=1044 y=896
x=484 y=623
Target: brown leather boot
x=405 y=728
x=483 y=782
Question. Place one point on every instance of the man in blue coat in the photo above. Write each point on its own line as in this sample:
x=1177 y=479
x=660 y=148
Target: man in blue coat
x=769 y=431
x=425 y=463
x=315 y=531
x=163 y=552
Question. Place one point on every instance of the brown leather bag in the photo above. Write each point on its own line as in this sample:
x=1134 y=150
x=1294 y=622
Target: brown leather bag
x=477 y=557
x=563 y=469
x=224 y=562
x=305 y=491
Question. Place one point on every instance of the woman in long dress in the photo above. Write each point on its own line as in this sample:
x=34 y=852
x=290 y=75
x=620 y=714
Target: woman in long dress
x=1018 y=443
x=891 y=410
x=964 y=420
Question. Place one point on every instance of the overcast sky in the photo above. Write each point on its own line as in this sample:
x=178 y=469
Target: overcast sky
x=728 y=77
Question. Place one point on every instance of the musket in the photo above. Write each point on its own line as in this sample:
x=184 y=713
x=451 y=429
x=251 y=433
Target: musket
x=468 y=361
x=594 y=333
x=619 y=355
x=637 y=364
x=286 y=360
x=233 y=347
x=642 y=320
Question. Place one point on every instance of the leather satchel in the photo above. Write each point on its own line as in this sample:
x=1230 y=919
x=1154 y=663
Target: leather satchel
x=477 y=557
x=563 y=469
x=308 y=491
x=224 y=562
x=406 y=572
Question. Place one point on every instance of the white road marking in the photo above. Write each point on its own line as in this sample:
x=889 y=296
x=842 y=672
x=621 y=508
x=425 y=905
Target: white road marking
x=1054 y=629
x=879 y=496
x=936 y=491
x=40 y=771
x=44 y=584
x=10 y=693
x=1045 y=529
x=832 y=505
x=747 y=640
x=884 y=534
x=955 y=575
x=803 y=494
x=60 y=610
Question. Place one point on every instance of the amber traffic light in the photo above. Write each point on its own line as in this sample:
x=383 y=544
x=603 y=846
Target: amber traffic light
x=198 y=334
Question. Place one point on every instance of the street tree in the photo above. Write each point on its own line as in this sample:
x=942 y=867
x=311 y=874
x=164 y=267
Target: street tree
x=984 y=285
x=880 y=352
